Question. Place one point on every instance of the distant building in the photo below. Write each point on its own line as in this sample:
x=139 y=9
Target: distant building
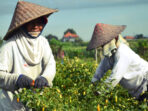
x=69 y=37
x=129 y=37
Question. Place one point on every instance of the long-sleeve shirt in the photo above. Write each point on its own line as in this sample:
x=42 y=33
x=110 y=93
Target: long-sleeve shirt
x=128 y=69
x=12 y=64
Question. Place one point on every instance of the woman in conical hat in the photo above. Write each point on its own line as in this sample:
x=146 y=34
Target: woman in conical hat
x=128 y=68
x=26 y=58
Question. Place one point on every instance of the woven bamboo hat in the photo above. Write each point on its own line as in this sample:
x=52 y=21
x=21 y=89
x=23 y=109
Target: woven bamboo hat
x=24 y=13
x=104 y=33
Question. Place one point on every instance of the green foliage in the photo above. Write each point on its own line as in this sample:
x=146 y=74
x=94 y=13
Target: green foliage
x=71 y=49
x=1 y=42
x=72 y=88
x=37 y=99
x=55 y=45
x=73 y=91
x=79 y=49
x=50 y=36
x=55 y=42
x=140 y=47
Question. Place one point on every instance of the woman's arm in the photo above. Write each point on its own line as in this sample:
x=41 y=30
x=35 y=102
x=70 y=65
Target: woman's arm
x=119 y=69
x=49 y=64
x=103 y=67
x=7 y=79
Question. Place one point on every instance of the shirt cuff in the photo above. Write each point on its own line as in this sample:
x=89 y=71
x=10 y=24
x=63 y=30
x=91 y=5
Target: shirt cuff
x=94 y=79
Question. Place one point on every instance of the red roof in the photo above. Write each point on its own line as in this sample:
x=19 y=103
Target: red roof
x=129 y=37
x=68 y=34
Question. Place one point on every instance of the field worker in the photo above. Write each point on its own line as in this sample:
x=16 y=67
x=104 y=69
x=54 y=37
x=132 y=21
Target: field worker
x=128 y=68
x=26 y=56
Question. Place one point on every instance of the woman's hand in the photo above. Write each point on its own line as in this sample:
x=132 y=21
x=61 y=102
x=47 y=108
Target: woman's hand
x=24 y=81
x=41 y=82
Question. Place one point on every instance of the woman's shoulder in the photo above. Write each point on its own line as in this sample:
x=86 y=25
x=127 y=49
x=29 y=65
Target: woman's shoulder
x=123 y=48
x=124 y=51
x=7 y=47
x=7 y=44
x=44 y=39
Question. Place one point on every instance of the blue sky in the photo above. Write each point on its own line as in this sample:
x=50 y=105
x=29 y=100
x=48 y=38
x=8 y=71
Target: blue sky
x=83 y=15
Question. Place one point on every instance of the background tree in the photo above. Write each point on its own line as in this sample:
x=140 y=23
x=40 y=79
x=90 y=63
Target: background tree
x=139 y=36
x=50 y=36
x=54 y=44
x=71 y=31
x=1 y=41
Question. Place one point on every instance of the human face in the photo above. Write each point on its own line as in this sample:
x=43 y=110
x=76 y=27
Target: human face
x=35 y=26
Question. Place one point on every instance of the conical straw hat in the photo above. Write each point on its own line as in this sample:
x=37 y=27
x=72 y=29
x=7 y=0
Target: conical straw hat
x=104 y=33
x=24 y=13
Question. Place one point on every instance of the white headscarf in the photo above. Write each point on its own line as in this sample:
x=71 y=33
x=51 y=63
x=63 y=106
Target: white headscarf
x=111 y=47
x=30 y=48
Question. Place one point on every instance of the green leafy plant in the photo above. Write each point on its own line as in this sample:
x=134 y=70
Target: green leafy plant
x=73 y=91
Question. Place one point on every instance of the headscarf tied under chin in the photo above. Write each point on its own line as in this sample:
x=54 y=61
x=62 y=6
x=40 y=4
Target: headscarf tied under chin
x=111 y=47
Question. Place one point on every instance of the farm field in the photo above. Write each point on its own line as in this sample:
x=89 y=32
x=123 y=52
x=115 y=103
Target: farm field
x=72 y=89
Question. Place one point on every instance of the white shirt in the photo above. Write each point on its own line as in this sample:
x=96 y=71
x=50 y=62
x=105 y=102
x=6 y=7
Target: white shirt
x=128 y=69
x=12 y=64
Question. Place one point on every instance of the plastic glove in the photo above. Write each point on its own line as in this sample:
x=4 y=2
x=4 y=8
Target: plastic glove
x=24 y=81
x=97 y=93
x=40 y=82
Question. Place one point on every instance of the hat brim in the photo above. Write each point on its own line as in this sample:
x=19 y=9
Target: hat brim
x=13 y=30
x=103 y=38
